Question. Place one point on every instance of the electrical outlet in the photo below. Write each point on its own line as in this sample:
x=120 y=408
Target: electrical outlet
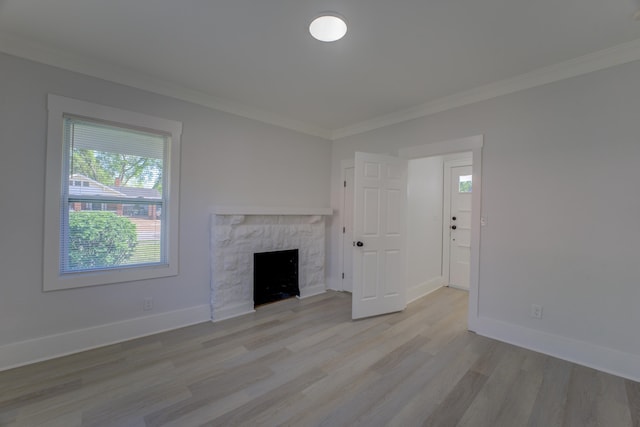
x=147 y=304
x=536 y=311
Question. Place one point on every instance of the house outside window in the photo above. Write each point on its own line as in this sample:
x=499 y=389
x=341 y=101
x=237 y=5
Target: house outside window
x=110 y=175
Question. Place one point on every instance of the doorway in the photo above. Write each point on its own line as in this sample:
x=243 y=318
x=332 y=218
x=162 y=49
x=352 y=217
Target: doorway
x=474 y=146
x=456 y=225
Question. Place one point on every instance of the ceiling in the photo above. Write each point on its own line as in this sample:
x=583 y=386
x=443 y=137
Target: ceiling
x=256 y=57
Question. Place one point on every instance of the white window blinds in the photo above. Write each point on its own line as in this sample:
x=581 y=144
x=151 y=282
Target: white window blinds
x=113 y=197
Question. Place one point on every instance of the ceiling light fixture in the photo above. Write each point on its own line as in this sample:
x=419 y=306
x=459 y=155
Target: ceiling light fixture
x=328 y=27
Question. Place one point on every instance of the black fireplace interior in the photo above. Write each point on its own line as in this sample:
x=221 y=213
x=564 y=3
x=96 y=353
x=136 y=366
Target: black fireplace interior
x=275 y=276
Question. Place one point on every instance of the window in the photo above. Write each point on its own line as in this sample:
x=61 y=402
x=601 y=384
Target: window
x=110 y=175
x=464 y=184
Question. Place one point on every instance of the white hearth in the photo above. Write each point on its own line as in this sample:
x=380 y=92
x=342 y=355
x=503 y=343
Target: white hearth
x=238 y=233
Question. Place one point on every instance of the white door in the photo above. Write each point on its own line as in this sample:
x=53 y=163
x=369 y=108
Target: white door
x=459 y=224
x=347 y=231
x=380 y=198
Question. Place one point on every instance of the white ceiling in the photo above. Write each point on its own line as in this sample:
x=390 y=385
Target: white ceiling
x=256 y=56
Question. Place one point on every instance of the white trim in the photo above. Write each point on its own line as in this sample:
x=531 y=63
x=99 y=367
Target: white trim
x=600 y=60
x=229 y=312
x=473 y=144
x=37 y=52
x=344 y=165
x=604 y=359
x=443 y=148
x=57 y=345
x=424 y=289
x=311 y=291
x=446 y=209
x=268 y=210
x=58 y=106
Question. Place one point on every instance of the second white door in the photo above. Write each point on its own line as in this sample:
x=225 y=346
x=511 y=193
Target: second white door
x=459 y=225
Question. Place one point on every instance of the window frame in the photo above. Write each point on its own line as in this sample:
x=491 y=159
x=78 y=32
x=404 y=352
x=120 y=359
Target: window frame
x=53 y=278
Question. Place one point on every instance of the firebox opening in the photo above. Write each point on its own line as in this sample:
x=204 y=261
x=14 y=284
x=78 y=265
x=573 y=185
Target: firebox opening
x=275 y=276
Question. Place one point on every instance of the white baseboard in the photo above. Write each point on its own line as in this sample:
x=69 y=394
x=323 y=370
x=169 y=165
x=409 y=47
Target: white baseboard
x=424 y=289
x=604 y=359
x=224 y=313
x=311 y=291
x=52 y=346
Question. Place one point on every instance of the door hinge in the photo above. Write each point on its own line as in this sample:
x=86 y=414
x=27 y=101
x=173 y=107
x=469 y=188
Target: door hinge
x=344 y=230
x=343 y=275
x=345 y=184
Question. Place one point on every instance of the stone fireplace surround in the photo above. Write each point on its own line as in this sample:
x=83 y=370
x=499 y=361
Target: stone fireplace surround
x=237 y=233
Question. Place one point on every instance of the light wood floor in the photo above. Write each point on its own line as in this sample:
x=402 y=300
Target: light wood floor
x=305 y=363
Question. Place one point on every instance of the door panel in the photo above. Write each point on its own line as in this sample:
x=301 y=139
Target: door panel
x=392 y=271
x=379 y=220
x=394 y=222
x=372 y=207
x=370 y=278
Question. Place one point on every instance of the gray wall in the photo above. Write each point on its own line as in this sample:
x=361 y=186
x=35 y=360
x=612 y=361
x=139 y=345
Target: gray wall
x=226 y=160
x=561 y=195
x=424 y=219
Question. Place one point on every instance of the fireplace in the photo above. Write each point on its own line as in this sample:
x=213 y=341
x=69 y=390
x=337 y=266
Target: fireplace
x=275 y=276
x=239 y=233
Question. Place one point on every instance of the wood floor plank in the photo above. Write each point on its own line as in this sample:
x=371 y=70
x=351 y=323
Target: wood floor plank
x=612 y=403
x=363 y=408
x=81 y=399
x=502 y=370
x=399 y=354
x=449 y=412
x=39 y=395
x=244 y=413
x=633 y=397
x=549 y=406
x=389 y=397
x=62 y=419
x=132 y=406
x=518 y=404
x=317 y=401
x=306 y=363
x=584 y=389
x=428 y=387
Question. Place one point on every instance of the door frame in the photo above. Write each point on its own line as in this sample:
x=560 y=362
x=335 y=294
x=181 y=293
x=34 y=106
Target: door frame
x=446 y=213
x=473 y=144
x=344 y=165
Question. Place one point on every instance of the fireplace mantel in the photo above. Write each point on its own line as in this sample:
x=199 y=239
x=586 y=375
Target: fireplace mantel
x=269 y=210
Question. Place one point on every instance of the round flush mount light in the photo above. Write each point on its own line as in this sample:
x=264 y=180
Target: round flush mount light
x=328 y=27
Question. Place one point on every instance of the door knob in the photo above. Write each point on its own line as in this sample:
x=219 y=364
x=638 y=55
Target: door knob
x=453 y=218
x=359 y=244
x=453 y=227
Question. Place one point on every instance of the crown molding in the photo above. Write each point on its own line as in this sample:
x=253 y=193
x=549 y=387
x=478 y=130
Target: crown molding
x=606 y=58
x=20 y=47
